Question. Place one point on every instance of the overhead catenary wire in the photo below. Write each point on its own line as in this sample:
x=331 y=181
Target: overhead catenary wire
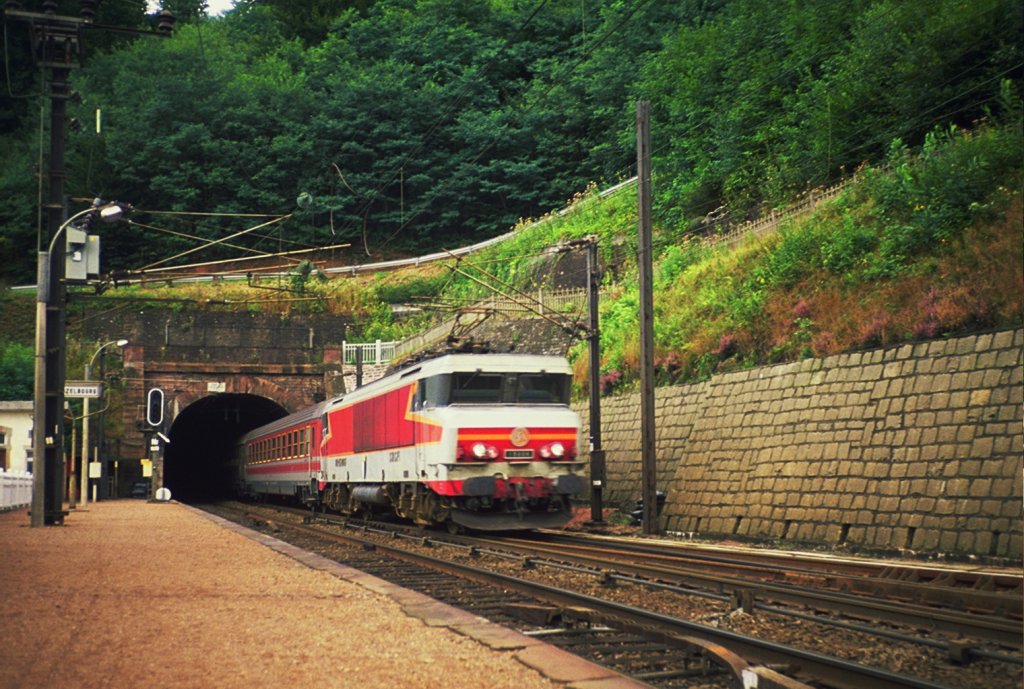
x=216 y=242
x=185 y=235
x=571 y=327
x=287 y=255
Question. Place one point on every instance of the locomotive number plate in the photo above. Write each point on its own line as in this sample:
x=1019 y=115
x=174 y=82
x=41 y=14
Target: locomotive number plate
x=519 y=454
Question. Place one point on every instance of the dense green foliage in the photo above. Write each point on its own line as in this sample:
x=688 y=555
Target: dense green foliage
x=416 y=124
x=16 y=371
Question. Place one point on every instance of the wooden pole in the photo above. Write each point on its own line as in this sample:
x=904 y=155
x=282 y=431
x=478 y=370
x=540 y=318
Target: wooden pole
x=597 y=460
x=645 y=263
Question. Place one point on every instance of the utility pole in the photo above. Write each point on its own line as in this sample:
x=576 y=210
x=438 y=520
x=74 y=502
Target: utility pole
x=57 y=46
x=597 y=464
x=648 y=468
x=593 y=335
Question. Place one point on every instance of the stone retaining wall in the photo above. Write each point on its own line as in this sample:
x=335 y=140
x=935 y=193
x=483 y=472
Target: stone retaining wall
x=915 y=447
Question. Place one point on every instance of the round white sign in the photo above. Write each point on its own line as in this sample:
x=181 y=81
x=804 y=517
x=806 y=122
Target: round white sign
x=163 y=494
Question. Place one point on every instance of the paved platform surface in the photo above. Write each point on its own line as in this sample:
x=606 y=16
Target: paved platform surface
x=130 y=594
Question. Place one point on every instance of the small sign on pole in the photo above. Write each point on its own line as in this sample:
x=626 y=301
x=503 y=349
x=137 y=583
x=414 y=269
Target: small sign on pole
x=94 y=470
x=83 y=388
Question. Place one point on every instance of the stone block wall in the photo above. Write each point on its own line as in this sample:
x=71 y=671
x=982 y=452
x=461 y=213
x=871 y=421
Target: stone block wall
x=916 y=447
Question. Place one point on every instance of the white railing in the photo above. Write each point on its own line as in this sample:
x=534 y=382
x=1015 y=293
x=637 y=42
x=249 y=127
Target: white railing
x=373 y=352
x=15 y=489
x=771 y=221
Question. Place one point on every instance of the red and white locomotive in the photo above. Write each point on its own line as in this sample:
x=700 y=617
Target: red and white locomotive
x=485 y=441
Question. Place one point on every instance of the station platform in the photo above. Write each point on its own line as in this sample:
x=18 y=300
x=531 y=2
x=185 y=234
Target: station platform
x=131 y=594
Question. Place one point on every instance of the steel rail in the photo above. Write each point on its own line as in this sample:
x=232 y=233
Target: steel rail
x=1006 y=632
x=919 y=572
x=866 y=578
x=735 y=650
x=1003 y=631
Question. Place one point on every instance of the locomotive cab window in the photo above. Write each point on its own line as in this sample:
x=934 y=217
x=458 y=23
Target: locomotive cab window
x=542 y=388
x=476 y=388
x=492 y=388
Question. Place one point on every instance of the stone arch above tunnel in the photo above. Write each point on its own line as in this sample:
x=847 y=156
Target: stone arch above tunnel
x=195 y=354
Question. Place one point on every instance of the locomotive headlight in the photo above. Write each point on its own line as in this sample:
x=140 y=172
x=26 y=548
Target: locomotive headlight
x=545 y=451
x=478 y=451
x=557 y=449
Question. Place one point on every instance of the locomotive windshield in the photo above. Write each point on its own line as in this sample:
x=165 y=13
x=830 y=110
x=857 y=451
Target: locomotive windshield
x=493 y=388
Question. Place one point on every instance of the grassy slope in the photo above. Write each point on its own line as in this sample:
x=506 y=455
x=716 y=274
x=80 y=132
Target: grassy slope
x=929 y=246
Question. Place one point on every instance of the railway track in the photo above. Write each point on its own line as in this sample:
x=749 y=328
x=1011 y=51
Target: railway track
x=754 y=581
x=615 y=613
x=977 y=589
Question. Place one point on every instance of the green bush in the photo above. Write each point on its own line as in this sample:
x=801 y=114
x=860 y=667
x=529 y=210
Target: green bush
x=16 y=371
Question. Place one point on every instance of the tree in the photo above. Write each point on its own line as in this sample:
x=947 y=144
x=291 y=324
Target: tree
x=16 y=371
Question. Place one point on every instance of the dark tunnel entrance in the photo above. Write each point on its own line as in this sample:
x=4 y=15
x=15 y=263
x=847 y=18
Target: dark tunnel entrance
x=198 y=461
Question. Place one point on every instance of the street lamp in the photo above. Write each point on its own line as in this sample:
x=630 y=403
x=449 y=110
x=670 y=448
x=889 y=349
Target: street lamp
x=48 y=394
x=84 y=485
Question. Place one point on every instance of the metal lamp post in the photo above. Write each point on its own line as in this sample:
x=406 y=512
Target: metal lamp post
x=48 y=394
x=84 y=485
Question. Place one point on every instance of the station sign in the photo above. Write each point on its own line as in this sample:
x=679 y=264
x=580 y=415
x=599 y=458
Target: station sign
x=83 y=388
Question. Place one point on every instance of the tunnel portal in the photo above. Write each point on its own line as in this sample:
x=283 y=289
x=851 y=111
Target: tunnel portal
x=198 y=463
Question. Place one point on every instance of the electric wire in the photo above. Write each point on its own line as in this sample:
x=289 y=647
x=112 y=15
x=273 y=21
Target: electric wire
x=216 y=242
x=185 y=235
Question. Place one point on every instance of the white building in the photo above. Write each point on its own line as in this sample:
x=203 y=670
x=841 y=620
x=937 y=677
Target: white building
x=16 y=436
